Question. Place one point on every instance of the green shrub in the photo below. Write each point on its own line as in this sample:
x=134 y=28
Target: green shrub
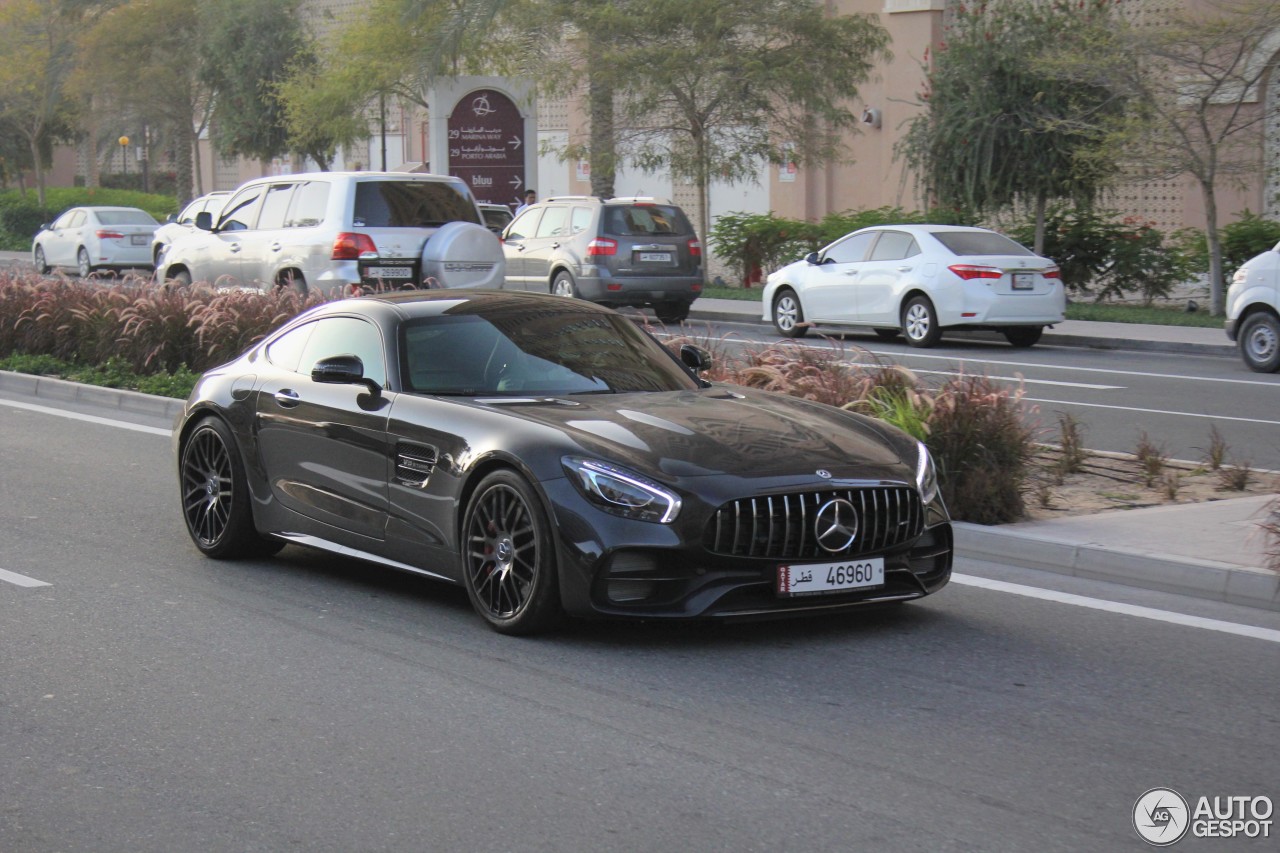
x=1246 y=237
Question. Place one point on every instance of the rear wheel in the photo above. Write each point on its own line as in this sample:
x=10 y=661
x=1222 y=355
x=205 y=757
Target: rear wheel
x=672 y=312
x=920 y=322
x=292 y=280
x=563 y=285
x=1260 y=342
x=83 y=267
x=788 y=316
x=215 y=496
x=509 y=564
x=42 y=265
x=1024 y=336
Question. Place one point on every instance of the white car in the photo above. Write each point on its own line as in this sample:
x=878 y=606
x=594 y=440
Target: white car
x=1253 y=311
x=919 y=280
x=185 y=221
x=94 y=238
x=341 y=232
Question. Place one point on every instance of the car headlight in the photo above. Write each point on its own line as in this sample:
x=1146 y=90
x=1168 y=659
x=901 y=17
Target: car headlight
x=926 y=474
x=622 y=492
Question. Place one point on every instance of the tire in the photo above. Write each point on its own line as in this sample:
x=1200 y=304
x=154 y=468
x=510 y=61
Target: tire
x=920 y=322
x=672 y=313
x=788 y=316
x=1024 y=336
x=562 y=285
x=292 y=280
x=42 y=265
x=181 y=278
x=888 y=334
x=1260 y=342
x=508 y=558
x=215 y=496
x=83 y=267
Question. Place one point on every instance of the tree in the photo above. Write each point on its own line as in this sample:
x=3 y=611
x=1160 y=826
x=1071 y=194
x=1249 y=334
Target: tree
x=37 y=53
x=124 y=62
x=711 y=89
x=248 y=116
x=1196 y=78
x=1001 y=124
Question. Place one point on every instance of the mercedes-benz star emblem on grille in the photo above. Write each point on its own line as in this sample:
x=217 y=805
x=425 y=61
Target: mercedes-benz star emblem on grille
x=836 y=525
x=824 y=473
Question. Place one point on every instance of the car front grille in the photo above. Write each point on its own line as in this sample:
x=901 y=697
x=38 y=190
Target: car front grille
x=784 y=526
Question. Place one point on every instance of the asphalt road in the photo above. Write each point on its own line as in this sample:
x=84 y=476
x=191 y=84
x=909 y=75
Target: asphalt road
x=1115 y=394
x=153 y=700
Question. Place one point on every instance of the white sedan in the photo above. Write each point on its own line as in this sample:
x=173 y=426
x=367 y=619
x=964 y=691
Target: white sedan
x=93 y=238
x=919 y=280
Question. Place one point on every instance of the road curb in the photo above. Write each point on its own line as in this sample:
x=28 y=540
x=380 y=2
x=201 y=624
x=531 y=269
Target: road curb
x=62 y=390
x=1126 y=566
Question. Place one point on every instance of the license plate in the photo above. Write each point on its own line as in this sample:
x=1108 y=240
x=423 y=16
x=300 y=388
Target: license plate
x=139 y=239
x=389 y=272
x=655 y=257
x=1024 y=280
x=817 y=578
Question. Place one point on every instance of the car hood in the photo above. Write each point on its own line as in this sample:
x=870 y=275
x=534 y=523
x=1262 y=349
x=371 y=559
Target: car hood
x=718 y=431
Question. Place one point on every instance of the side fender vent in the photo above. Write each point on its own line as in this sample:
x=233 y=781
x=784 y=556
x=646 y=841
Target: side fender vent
x=414 y=464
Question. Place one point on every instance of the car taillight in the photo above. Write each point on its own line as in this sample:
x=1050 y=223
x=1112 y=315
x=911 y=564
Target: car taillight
x=109 y=235
x=1051 y=272
x=968 y=272
x=602 y=246
x=348 y=246
x=695 y=248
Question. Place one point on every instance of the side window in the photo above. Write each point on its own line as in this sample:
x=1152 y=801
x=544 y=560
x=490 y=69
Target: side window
x=580 y=220
x=850 y=249
x=894 y=246
x=286 y=351
x=274 y=206
x=524 y=224
x=242 y=211
x=77 y=219
x=188 y=214
x=307 y=210
x=63 y=221
x=554 y=222
x=346 y=336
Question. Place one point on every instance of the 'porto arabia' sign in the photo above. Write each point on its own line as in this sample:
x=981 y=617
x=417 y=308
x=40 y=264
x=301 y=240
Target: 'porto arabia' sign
x=486 y=138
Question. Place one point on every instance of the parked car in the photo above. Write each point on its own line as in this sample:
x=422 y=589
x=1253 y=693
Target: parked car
x=1253 y=311
x=552 y=457
x=919 y=280
x=496 y=216
x=639 y=252
x=341 y=231
x=185 y=221
x=95 y=238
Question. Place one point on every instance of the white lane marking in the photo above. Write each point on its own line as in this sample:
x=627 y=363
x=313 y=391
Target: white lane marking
x=20 y=580
x=1154 y=411
x=1025 y=381
x=1268 y=634
x=63 y=413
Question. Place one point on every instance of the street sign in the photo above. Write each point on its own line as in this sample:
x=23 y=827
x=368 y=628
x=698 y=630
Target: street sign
x=486 y=146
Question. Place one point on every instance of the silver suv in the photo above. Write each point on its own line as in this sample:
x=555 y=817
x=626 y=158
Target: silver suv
x=639 y=252
x=341 y=231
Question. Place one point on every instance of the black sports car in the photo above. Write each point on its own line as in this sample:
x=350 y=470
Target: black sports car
x=554 y=458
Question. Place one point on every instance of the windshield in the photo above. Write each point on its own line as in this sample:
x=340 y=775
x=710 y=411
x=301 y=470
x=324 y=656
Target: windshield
x=555 y=352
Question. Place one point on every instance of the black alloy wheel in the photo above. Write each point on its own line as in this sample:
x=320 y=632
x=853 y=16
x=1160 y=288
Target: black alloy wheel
x=215 y=496
x=508 y=557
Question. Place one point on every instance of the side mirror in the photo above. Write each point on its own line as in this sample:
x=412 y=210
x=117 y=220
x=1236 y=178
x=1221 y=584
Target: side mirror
x=204 y=220
x=695 y=358
x=343 y=370
x=172 y=217
x=813 y=258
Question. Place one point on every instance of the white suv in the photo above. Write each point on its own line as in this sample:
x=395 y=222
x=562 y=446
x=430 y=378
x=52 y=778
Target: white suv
x=341 y=231
x=1253 y=311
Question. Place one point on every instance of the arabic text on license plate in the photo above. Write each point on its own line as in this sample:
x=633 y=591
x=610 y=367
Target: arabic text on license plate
x=1024 y=280
x=139 y=239
x=389 y=272
x=817 y=578
x=659 y=257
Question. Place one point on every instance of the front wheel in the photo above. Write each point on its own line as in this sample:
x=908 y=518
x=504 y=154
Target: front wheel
x=920 y=322
x=215 y=496
x=42 y=264
x=1023 y=336
x=1260 y=342
x=509 y=564
x=83 y=267
x=788 y=316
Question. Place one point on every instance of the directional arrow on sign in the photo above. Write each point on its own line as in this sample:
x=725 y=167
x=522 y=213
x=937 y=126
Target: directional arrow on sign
x=516 y=182
x=515 y=142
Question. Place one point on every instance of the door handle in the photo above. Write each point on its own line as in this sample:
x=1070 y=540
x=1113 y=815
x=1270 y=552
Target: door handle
x=287 y=398
x=275 y=247
x=555 y=245
x=904 y=269
x=233 y=247
x=850 y=273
